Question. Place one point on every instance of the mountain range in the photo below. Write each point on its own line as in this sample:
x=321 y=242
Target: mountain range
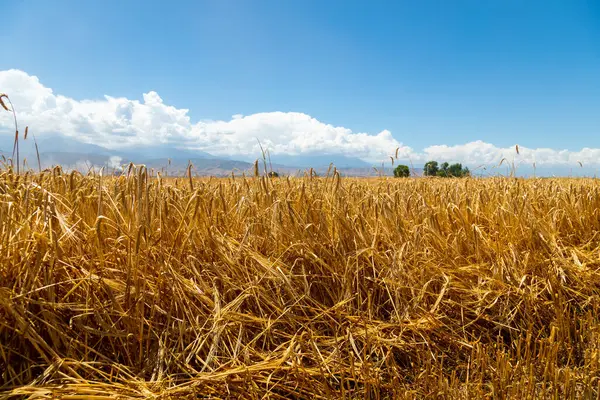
x=72 y=154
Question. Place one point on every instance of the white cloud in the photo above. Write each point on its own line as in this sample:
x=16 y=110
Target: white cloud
x=115 y=162
x=118 y=123
x=479 y=152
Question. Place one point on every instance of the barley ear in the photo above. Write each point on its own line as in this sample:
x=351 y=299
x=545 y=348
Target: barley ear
x=256 y=168
x=2 y=104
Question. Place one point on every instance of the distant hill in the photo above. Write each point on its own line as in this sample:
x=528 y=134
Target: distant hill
x=319 y=161
x=201 y=166
x=166 y=151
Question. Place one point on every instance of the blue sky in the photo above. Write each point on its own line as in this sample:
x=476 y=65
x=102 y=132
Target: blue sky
x=430 y=72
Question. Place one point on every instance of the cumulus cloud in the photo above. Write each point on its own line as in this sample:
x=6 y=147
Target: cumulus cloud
x=121 y=123
x=117 y=123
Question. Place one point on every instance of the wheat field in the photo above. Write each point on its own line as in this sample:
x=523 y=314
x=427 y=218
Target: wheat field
x=309 y=288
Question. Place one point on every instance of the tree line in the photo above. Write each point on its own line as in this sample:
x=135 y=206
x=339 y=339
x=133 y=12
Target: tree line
x=433 y=168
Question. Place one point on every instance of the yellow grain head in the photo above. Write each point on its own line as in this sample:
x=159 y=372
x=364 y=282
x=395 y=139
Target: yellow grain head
x=2 y=104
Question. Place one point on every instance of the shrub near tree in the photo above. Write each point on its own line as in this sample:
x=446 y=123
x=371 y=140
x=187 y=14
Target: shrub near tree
x=401 y=171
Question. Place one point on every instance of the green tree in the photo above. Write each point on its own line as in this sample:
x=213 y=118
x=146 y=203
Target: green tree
x=401 y=171
x=455 y=170
x=273 y=174
x=443 y=171
x=431 y=168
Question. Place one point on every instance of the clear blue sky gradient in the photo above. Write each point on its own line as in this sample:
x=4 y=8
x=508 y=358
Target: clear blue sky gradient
x=432 y=72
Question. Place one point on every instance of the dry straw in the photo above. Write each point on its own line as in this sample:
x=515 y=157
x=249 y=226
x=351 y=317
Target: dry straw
x=307 y=288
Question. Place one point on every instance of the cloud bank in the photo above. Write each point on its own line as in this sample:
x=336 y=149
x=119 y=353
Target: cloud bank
x=121 y=123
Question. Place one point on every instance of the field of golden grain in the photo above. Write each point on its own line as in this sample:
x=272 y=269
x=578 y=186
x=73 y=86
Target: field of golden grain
x=305 y=288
